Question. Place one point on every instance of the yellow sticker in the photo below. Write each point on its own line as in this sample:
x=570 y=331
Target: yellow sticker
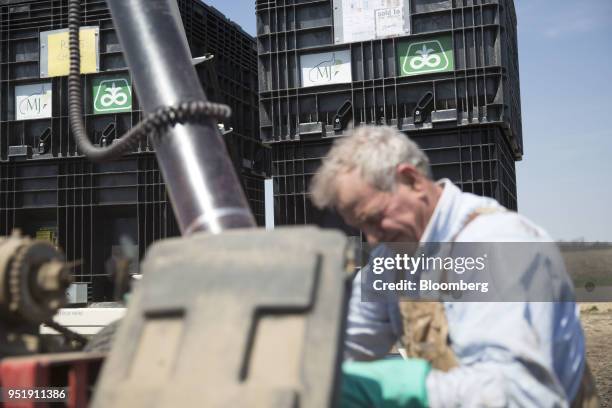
x=58 y=56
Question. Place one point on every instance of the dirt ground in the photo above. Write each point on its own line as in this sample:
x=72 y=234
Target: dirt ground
x=597 y=324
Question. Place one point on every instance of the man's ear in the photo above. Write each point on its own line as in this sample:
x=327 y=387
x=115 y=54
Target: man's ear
x=409 y=175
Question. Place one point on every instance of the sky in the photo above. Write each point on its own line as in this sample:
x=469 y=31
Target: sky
x=565 y=56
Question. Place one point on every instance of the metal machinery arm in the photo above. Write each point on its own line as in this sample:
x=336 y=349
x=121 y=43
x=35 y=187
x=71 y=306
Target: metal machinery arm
x=203 y=186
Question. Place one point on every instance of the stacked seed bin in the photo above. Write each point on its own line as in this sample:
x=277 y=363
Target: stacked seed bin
x=445 y=72
x=48 y=189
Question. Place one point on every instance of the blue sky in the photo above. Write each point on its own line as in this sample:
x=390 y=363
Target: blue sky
x=565 y=55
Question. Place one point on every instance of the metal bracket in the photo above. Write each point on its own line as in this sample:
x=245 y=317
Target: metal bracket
x=420 y=111
x=343 y=115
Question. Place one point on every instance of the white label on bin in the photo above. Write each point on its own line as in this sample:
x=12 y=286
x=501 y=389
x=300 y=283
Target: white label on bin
x=364 y=20
x=33 y=101
x=389 y=21
x=326 y=68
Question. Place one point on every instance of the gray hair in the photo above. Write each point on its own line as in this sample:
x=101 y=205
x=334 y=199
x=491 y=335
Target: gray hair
x=375 y=151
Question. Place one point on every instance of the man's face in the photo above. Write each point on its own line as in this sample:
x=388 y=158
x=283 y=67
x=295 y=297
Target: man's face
x=400 y=215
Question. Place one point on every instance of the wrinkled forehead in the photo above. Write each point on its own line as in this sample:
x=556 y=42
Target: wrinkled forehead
x=353 y=192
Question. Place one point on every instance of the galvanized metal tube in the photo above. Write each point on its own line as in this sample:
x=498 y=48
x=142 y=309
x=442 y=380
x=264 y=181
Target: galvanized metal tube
x=204 y=189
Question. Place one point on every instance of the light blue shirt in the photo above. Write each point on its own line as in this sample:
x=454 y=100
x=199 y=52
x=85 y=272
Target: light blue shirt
x=517 y=354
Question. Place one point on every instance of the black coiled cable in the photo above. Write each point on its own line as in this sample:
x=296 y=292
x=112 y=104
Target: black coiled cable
x=153 y=124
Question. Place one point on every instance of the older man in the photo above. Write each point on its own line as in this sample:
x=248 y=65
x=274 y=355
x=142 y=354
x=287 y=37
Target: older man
x=499 y=353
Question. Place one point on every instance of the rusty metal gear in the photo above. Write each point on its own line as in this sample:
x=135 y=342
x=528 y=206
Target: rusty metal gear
x=15 y=275
x=33 y=282
x=33 y=279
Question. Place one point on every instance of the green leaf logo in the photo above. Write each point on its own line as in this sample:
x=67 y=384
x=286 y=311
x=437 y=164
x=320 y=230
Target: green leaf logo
x=112 y=95
x=426 y=56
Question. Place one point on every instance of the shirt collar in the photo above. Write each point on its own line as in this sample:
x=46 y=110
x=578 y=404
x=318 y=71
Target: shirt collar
x=442 y=223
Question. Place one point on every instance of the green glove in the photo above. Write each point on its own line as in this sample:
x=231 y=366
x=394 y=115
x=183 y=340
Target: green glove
x=392 y=383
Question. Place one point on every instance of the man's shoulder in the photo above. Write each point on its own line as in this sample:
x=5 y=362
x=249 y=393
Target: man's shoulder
x=497 y=224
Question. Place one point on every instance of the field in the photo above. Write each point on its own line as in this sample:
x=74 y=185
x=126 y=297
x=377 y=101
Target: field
x=588 y=263
x=597 y=324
